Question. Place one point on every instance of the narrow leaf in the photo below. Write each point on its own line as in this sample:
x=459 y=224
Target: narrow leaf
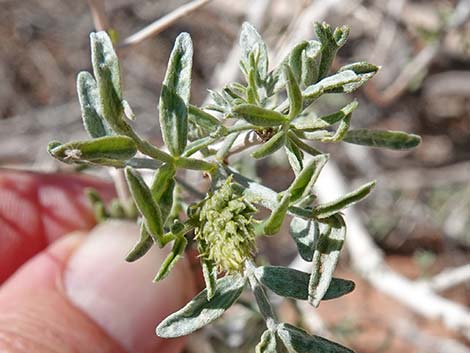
x=145 y=204
x=200 y=311
x=270 y=146
x=251 y=42
x=90 y=106
x=396 y=140
x=178 y=74
x=325 y=258
x=179 y=245
x=330 y=43
x=142 y=246
x=295 y=59
x=304 y=182
x=291 y=283
x=274 y=222
x=295 y=156
x=204 y=119
x=162 y=188
x=106 y=71
x=294 y=94
x=364 y=70
x=267 y=343
x=209 y=271
x=327 y=120
x=299 y=341
x=311 y=58
x=173 y=121
x=193 y=163
x=330 y=208
x=302 y=145
x=305 y=233
x=259 y=116
x=107 y=147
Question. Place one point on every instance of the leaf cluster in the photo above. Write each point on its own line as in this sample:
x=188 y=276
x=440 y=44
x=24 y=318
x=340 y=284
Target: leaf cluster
x=276 y=105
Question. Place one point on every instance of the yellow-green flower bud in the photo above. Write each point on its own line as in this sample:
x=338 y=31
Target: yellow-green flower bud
x=225 y=231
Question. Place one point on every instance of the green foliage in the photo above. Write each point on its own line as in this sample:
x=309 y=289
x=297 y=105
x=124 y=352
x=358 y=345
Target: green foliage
x=224 y=222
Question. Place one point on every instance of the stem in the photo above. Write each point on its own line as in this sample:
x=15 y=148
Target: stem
x=162 y=23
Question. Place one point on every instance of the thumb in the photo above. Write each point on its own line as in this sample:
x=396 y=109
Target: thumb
x=79 y=295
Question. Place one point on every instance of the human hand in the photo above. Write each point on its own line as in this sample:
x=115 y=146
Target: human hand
x=75 y=293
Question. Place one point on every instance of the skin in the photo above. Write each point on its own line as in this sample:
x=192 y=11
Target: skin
x=64 y=284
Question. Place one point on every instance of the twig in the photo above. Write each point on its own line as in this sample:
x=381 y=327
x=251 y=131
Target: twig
x=425 y=342
x=162 y=23
x=450 y=278
x=98 y=13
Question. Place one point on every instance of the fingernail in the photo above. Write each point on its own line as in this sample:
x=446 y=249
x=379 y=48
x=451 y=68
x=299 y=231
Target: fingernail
x=120 y=296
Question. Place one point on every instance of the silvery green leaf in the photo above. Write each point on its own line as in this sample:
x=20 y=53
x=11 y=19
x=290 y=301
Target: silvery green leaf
x=251 y=42
x=142 y=246
x=259 y=116
x=178 y=73
x=173 y=121
x=200 y=311
x=195 y=164
x=325 y=258
x=90 y=106
x=330 y=208
x=325 y=121
x=396 y=140
x=311 y=58
x=107 y=147
x=270 y=146
x=340 y=132
x=204 y=119
x=302 y=145
x=106 y=71
x=295 y=59
x=145 y=204
x=364 y=70
x=267 y=343
x=305 y=233
x=162 y=189
x=273 y=224
x=332 y=84
x=294 y=94
x=299 y=341
x=179 y=245
x=295 y=156
x=304 y=182
x=209 y=271
x=331 y=41
x=291 y=283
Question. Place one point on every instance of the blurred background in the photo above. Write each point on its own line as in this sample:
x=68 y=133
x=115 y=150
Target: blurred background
x=418 y=216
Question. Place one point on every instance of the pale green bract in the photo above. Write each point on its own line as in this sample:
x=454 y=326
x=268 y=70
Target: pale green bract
x=276 y=110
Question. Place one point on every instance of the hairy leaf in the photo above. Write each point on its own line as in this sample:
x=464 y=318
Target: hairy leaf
x=90 y=106
x=304 y=182
x=259 y=116
x=291 y=283
x=330 y=208
x=325 y=258
x=294 y=94
x=106 y=71
x=305 y=234
x=179 y=245
x=173 y=121
x=396 y=140
x=270 y=146
x=251 y=42
x=274 y=222
x=107 y=147
x=267 y=343
x=142 y=246
x=146 y=204
x=200 y=311
x=299 y=341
